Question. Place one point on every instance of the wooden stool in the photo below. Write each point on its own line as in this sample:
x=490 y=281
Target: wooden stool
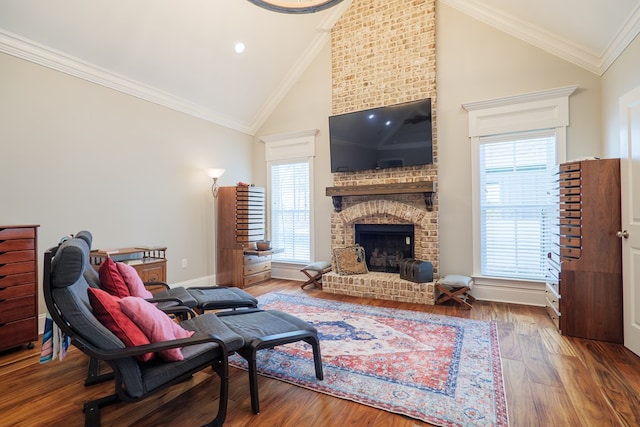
x=314 y=272
x=456 y=288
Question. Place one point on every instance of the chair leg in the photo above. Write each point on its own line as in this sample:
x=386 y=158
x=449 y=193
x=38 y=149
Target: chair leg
x=249 y=354
x=317 y=357
x=222 y=369
x=92 y=409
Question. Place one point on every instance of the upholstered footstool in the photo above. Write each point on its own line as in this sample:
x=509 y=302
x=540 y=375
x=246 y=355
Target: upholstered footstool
x=267 y=329
x=314 y=272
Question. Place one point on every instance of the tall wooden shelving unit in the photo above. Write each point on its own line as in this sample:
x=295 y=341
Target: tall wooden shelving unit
x=584 y=280
x=241 y=223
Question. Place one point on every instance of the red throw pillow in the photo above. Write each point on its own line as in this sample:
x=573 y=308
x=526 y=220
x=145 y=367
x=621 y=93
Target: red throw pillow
x=133 y=281
x=155 y=324
x=108 y=312
x=111 y=280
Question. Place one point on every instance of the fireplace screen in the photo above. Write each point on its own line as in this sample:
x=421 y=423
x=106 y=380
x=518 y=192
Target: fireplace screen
x=385 y=245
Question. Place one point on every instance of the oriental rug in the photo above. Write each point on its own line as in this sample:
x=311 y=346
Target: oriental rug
x=439 y=369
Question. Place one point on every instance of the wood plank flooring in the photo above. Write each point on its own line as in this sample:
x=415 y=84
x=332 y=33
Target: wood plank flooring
x=550 y=380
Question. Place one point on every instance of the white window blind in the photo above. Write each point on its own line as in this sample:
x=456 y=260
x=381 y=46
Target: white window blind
x=516 y=210
x=290 y=210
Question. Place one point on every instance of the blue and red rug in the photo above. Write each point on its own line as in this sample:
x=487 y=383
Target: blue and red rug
x=439 y=369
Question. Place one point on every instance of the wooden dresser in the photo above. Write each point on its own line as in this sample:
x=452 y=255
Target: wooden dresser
x=241 y=223
x=584 y=280
x=149 y=262
x=18 y=285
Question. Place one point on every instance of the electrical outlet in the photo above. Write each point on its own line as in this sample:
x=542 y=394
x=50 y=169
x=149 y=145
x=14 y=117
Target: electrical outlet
x=184 y=263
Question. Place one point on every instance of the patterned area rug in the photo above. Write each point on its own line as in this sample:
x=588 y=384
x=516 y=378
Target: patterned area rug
x=439 y=369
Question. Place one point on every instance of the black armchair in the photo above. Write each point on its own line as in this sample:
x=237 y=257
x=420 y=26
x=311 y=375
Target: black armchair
x=199 y=299
x=66 y=296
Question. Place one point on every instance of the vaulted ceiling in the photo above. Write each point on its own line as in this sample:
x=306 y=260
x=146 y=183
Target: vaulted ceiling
x=180 y=54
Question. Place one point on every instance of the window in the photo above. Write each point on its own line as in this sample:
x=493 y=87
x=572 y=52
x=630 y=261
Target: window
x=516 y=210
x=515 y=141
x=289 y=160
x=290 y=211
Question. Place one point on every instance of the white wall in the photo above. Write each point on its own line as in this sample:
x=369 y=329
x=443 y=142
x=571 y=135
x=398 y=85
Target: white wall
x=307 y=106
x=620 y=78
x=75 y=155
x=474 y=62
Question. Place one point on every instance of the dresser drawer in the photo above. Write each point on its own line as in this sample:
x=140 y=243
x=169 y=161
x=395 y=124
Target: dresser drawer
x=17 y=245
x=17 y=291
x=17 y=279
x=13 y=334
x=17 y=233
x=17 y=308
x=553 y=298
x=570 y=230
x=257 y=278
x=570 y=253
x=16 y=268
x=568 y=167
x=569 y=175
x=574 y=242
x=554 y=315
x=16 y=256
x=257 y=268
x=254 y=259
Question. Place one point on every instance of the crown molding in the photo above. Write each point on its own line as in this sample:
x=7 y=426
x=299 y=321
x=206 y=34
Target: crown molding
x=595 y=62
x=28 y=50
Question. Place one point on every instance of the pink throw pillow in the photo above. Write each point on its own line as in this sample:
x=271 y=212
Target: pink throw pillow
x=133 y=281
x=111 y=280
x=155 y=324
x=107 y=311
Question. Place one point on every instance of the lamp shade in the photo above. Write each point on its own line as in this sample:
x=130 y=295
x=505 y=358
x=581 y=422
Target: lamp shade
x=215 y=173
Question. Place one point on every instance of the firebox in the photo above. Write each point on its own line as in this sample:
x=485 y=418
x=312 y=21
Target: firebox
x=385 y=245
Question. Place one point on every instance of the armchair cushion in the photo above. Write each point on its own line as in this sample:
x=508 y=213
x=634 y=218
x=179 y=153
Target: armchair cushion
x=155 y=324
x=107 y=310
x=133 y=281
x=111 y=280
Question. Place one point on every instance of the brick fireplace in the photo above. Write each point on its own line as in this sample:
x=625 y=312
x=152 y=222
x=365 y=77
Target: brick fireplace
x=407 y=209
x=383 y=53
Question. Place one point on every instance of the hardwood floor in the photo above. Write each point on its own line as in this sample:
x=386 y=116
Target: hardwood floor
x=550 y=380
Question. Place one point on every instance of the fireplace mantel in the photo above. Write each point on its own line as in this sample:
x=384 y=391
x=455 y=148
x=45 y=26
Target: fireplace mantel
x=426 y=187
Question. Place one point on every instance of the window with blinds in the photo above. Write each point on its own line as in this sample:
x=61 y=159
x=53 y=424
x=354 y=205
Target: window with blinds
x=516 y=210
x=290 y=211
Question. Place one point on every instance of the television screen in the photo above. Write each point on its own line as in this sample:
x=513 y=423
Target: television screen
x=384 y=137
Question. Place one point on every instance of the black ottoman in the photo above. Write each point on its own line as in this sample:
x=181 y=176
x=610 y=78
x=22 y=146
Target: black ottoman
x=267 y=329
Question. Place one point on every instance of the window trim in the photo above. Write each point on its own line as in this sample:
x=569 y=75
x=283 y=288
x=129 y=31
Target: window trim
x=547 y=109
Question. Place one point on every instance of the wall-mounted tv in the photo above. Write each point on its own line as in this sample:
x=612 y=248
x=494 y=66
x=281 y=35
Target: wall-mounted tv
x=384 y=137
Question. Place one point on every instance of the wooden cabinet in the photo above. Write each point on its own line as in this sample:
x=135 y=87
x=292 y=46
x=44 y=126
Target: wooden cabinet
x=241 y=223
x=584 y=274
x=18 y=289
x=149 y=262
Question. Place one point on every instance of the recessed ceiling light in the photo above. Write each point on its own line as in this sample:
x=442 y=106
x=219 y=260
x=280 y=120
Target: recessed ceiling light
x=239 y=47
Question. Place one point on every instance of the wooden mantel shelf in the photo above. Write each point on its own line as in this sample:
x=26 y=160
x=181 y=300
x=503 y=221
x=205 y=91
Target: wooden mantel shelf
x=426 y=187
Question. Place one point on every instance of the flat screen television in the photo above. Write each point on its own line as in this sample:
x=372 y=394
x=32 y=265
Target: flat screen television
x=385 y=137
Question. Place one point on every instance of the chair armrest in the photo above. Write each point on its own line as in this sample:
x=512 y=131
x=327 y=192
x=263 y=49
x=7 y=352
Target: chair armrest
x=121 y=353
x=180 y=309
x=165 y=285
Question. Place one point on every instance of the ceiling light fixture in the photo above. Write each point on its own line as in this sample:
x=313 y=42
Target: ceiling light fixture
x=239 y=47
x=295 y=6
